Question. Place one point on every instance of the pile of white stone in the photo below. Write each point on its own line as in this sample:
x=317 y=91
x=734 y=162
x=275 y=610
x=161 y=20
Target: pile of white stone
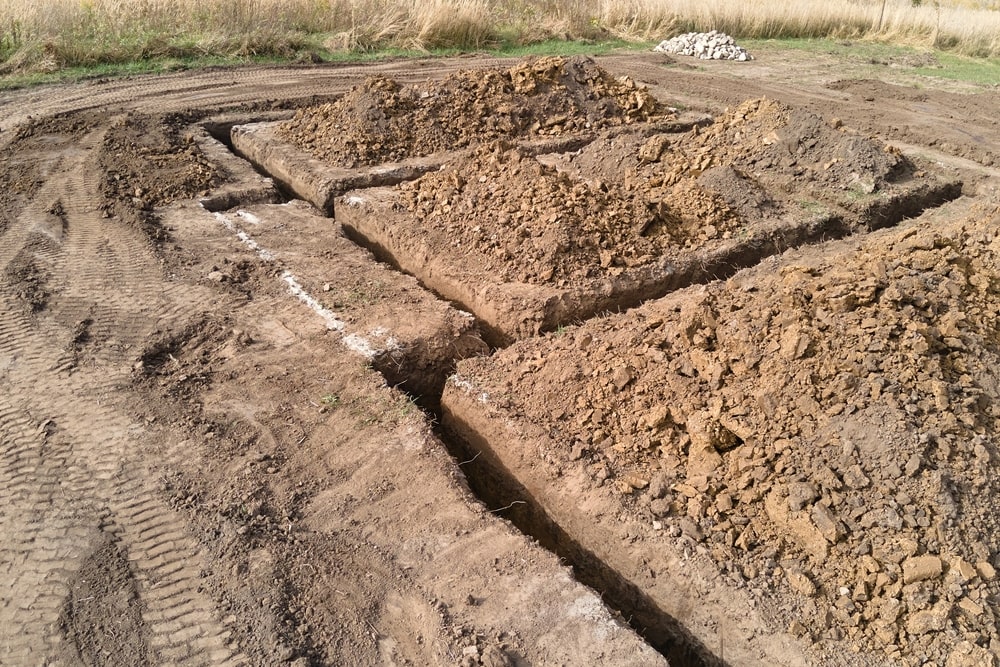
x=705 y=45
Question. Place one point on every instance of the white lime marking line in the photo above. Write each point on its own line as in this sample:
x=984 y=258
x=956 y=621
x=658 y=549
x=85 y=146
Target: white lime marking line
x=352 y=341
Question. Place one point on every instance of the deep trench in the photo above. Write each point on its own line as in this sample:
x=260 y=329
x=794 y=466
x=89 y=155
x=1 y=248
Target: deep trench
x=503 y=494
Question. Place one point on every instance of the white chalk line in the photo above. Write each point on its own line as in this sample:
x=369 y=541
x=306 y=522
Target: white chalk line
x=352 y=341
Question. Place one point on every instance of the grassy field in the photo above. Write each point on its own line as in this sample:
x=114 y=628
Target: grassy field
x=46 y=36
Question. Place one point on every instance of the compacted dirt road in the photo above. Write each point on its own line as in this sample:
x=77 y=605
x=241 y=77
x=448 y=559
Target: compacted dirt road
x=218 y=441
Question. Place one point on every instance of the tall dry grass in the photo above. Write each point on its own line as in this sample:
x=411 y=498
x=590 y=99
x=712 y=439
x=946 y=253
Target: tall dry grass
x=58 y=33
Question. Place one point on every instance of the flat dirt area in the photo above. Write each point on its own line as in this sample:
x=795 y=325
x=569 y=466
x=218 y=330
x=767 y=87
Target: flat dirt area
x=625 y=361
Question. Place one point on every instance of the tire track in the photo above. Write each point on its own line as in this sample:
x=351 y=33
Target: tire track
x=70 y=456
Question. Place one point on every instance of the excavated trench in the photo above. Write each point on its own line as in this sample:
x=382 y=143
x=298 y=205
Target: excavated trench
x=498 y=487
x=500 y=491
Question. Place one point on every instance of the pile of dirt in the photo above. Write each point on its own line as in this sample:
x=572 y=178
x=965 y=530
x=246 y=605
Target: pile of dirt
x=529 y=222
x=782 y=147
x=102 y=618
x=30 y=280
x=149 y=161
x=824 y=430
x=384 y=121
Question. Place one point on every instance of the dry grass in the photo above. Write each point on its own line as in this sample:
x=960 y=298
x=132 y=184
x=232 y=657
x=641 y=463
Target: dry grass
x=57 y=33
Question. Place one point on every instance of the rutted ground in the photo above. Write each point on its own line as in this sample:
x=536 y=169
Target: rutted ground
x=202 y=462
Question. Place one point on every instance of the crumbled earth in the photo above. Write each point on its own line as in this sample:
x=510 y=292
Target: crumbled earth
x=528 y=222
x=823 y=427
x=385 y=121
x=767 y=143
x=626 y=200
x=149 y=163
x=197 y=468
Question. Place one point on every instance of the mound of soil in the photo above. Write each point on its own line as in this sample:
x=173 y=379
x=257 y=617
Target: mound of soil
x=529 y=222
x=384 y=121
x=822 y=430
x=147 y=162
x=761 y=139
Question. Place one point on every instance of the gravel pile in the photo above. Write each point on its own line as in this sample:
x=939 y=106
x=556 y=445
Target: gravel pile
x=712 y=45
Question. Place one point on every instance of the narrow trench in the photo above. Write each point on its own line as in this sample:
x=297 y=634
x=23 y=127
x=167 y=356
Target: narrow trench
x=222 y=132
x=501 y=492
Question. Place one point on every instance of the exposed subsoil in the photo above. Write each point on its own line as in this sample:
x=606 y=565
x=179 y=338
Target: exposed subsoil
x=634 y=198
x=200 y=462
x=383 y=120
x=821 y=429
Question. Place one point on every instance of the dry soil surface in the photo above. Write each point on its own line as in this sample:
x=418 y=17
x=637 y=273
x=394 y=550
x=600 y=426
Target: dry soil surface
x=202 y=460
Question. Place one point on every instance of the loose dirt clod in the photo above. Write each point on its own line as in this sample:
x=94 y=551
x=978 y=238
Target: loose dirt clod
x=384 y=121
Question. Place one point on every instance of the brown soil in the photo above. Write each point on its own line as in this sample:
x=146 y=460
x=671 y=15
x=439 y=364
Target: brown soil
x=632 y=202
x=817 y=427
x=199 y=436
x=385 y=121
x=103 y=615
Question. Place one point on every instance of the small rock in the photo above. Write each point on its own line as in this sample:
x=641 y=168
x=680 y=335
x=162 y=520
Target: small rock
x=964 y=570
x=689 y=528
x=797 y=628
x=621 y=377
x=494 y=656
x=967 y=654
x=801 y=583
x=890 y=609
x=986 y=571
x=921 y=568
x=216 y=276
x=659 y=507
x=970 y=608
x=929 y=620
x=826 y=523
x=658 y=487
x=800 y=494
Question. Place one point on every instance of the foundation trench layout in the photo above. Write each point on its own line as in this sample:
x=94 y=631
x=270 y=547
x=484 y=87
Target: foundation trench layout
x=491 y=315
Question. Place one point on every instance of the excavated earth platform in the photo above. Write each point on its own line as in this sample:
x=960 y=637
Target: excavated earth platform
x=200 y=462
x=796 y=464
x=532 y=236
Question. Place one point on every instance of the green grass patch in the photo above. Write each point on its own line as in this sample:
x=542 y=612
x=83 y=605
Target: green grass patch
x=981 y=71
x=914 y=61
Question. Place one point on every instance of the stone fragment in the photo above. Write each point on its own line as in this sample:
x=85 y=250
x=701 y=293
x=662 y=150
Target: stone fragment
x=986 y=571
x=801 y=583
x=797 y=628
x=690 y=529
x=890 y=609
x=921 y=568
x=826 y=522
x=964 y=570
x=801 y=494
x=494 y=656
x=929 y=620
x=799 y=527
x=970 y=608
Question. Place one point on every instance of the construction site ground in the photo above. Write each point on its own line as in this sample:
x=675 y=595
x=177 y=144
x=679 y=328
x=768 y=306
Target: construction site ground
x=701 y=372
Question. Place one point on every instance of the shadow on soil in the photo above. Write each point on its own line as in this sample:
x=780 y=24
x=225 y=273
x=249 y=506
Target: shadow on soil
x=495 y=486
